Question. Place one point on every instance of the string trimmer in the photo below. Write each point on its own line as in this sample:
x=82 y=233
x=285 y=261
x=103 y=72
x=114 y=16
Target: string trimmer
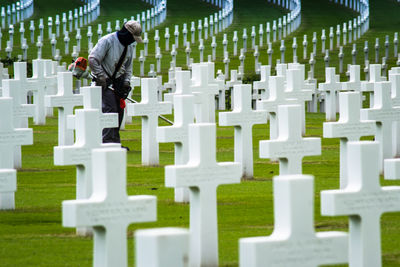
x=79 y=70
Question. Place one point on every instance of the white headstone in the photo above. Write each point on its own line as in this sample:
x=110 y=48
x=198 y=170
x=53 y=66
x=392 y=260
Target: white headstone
x=88 y=137
x=231 y=83
x=281 y=69
x=162 y=247
x=374 y=77
x=205 y=94
x=385 y=115
x=39 y=91
x=212 y=81
x=364 y=201
x=10 y=136
x=294 y=241
x=203 y=174
x=350 y=127
x=331 y=88
x=394 y=78
x=65 y=101
x=109 y=210
x=295 y=90
x=21 y=84
x=15 y=89
x=92 y=100
x=51 y=81
x=182 y=83
x=290 y=147
x=260 y=88
x=8 y=186
x=354 y=84
x=149 y=109
x=392 y=169
x=243 y=117
x=179 y=135
x=276 y=98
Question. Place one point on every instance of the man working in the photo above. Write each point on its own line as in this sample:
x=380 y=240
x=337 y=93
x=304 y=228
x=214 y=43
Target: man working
x=111 y=63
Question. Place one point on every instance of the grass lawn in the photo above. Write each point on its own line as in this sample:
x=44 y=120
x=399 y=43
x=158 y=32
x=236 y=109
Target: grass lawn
x=32 y=235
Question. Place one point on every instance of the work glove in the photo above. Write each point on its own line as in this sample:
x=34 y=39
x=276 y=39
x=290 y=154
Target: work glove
x=102 y=81
x=126 y=88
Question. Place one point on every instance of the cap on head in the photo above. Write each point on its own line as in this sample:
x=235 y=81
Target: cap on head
x=135 y=29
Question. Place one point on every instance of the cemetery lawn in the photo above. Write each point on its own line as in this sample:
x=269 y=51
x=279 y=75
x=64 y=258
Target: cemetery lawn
x=32 y=235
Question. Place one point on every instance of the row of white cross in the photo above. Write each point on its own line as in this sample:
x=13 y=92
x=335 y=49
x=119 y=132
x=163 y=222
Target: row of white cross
x=17 y=11
x=356 y=186
x=15 y=110
x=196 y=168
x=228 y=7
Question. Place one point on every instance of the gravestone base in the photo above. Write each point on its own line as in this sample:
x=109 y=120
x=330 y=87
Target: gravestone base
x=49 y=112
x=182 y=195
x=17 y=157
x=246 y=177
x=162 y=247
x=392 y=169
x=84 y=231
x=7 y=201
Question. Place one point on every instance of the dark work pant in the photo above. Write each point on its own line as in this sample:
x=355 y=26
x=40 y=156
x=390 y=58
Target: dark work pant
x=111 y=105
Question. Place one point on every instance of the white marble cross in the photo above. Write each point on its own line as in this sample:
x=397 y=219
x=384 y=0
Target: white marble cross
x=230 y=84
x=221 y=101
x=149 y=109
x=162 y=247
x=179 y=135
x=350 y=127
x=109 y=210
x=21 y=111
x=290 y=147
x=307 y=85
x=25 y=85
x=88 y=137
x=355 y=83
x=3 y=72
x=331 y=87
x=170 y=85
x=364 y=201
x=204 y=94
x=270 y=105
x=375 y=71
x=211 y=79
x=8 y=186
x=385 y=115
x=10 y=136
x=92 y=100
x=392 y=169
x=51 y=81
x=294 y=89
x=281 y=69
x=394 y=78
x=65 y=101
x=243 y=118
x=183 y=85
x=294 y=241
x=260 y=88
x=39 y=91
x=394 y=70
x=203 y=174
x=3 y=75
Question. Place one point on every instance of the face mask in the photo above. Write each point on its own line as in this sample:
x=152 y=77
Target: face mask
x=125 y=37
